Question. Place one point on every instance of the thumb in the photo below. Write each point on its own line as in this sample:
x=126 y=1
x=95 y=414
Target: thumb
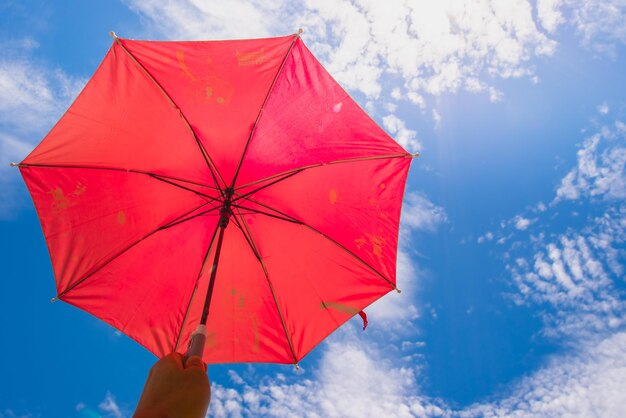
x=195 y=362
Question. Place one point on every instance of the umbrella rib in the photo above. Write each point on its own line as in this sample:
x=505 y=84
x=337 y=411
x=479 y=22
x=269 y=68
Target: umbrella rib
x=195 y=288
x=258 y=117
x=185 y=188
x=207 y=158
x=191 y=217
x=125 y=170
x=287 y=173
x=257 y=254
x=285 y=177
x=98 y=268
x=298 y=221
x=282 y=218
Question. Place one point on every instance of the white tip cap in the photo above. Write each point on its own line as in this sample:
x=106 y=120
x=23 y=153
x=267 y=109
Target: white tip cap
x=201 y=329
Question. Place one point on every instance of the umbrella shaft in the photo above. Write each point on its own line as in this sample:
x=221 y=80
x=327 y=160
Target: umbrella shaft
x=225 y=213
x=209 y=293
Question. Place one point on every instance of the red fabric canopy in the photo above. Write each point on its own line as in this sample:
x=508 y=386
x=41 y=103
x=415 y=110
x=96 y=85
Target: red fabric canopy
x=130 y=183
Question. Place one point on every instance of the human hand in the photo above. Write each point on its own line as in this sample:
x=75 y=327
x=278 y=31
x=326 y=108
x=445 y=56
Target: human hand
x=175 y=388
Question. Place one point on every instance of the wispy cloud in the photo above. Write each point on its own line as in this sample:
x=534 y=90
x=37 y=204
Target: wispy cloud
x=351 y=381
x=32 y=97
x=573 y=271
x=521 y=222
x=427 y=48
x=569 y=269
x=603 y=108
x=405 y=137
x=587 y=383
x=359 y=381
x=110 y=407
x=420 y=214
x=600 y=23
x=600 y=169
x=571 y=277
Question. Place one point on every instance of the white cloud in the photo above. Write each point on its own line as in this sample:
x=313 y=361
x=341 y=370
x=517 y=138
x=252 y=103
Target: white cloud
x=573 y=273
x=521 y=223
x=32 y=96
x=404 y=136
x=549 y=14
x=419 y=213
x=436 y=119
x=487 y=237
x=603 y=108
x=352 y=381
x=430 y=47
x=587 y=383
x=195 y=19
x=600 y=23
x=110 y=407
x=570 y=277
x=395 y=310
x=600 y=168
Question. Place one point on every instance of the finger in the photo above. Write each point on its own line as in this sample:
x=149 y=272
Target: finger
x=174 y=359
x=195 y=362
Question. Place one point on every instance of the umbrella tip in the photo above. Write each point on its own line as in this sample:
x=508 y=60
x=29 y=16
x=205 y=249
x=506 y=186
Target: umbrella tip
x=398 y=290
x=113 y=35
x=297 y=366
x=13 y=164
x=52 y=300
x=417 y=154
x=300 y=31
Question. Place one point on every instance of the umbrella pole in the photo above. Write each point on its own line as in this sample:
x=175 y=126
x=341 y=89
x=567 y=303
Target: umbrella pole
x=198 y=338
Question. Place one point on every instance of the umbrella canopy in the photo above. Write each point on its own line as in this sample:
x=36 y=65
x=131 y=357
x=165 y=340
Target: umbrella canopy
x=179 y=154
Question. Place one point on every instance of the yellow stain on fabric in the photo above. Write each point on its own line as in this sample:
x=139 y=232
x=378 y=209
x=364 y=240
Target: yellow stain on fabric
x=246 y=59
x=180 y=57
x=378 y=243
x=341 y=307
x=257 y=335
x=121 y=217
x=59 y=201
x=332 y=196
x=217 y=90
x=80 y=189
x=375 y=241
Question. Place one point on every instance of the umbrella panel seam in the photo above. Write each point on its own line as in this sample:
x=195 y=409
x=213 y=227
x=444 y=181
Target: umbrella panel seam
x=205 y=154
x=287 y=173
x=195 y=288
x=94 y=270
x=257 y=254
x=295 y=220
x=126 y=170
x=258 y=118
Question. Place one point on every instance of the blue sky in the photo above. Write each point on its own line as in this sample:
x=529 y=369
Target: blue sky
x=512 y=246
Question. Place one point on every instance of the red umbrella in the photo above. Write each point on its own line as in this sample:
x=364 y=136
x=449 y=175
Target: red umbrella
x=181 y=157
